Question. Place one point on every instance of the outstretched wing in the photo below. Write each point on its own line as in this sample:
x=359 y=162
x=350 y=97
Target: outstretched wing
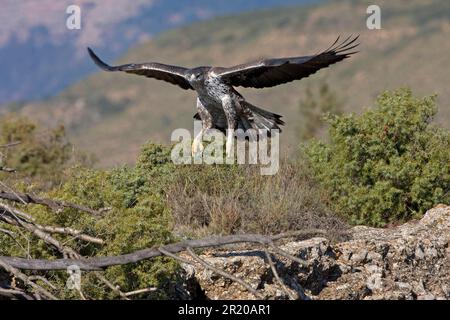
x=172 y=74
x=273 y=72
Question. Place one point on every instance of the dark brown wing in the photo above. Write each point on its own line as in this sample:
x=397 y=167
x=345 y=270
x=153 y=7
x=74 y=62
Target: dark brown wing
x=273 y=72
x=172 y=74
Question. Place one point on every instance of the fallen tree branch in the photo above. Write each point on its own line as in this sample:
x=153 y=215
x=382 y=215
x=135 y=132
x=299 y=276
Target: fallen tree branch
x=55 y=205
x=11 y=144
x=13 y=293
x=16 y=213
x=8 y=232
x=26 y=280
x=9 y=216
x=206 y=265
x=140 y=291
x=72 y=232
x=48 y=283
x=99 y=263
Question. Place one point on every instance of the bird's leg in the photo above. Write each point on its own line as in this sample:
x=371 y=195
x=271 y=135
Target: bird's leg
x=197 y=145
x=230 y=113
x=229 y=143
x=205 y=116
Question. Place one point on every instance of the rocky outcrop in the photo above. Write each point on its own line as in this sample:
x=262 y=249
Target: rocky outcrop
x=411 y=261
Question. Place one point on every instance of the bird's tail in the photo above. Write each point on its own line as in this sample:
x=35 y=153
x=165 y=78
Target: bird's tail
x=260 y=119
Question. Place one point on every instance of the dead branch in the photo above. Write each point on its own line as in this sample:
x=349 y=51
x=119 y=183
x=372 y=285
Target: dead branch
x=8 y=232
x=99 y=263
x=54 y=205
x=9 y=216
x=37 y=231
x=140 y=291
x=17 y=212
x=26 y=280
x=110 y=285
x=14 y=293
x=48 y=283
x=50 y=229
x=9 y=145
x=210 y=267
x=277 y=276
x=285 y=254
x=72 y=232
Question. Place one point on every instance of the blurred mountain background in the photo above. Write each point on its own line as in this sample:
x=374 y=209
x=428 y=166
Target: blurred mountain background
x=36 y=46
x=112 y=115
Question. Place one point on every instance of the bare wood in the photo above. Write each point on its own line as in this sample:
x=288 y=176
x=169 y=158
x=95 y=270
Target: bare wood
x=48 y=283
x=208 y=266
x=288 y=255
x=11 y=144
x=50 y=229
x=26 y=280
x=55 y=205
x=110 y=285
x=99 y=263
x=136 y=292
x=174 y=256
x=15 y=193
x=14 y=220
x=299 y=233
x=33 y=228
x=72 y=232
x=15 y=212
x=12 y=293
x=8 y=232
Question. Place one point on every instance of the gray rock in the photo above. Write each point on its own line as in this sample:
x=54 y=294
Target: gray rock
x=406 y=262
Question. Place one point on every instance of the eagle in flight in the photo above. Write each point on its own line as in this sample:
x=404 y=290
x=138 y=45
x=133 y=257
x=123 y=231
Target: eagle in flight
x=219 y=105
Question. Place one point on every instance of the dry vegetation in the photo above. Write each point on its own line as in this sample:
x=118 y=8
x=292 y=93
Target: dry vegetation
x=224 y=201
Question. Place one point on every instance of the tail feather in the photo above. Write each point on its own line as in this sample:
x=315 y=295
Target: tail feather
x=256 y=118
x=263 y=119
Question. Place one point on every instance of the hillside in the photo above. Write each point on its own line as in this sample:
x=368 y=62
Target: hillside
x=57 y=59
x=112 y=115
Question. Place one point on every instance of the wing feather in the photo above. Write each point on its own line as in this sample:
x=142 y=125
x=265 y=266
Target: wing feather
x=273 y=72
x=172 y=74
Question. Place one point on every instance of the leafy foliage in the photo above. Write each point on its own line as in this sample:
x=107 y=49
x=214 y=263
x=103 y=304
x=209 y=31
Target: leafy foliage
x=387 y=165
x=39 y=152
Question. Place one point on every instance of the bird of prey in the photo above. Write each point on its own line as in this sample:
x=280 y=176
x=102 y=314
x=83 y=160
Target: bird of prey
x=219 y=105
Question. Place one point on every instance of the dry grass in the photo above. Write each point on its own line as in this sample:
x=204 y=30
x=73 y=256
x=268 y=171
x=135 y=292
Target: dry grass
x=221 y=200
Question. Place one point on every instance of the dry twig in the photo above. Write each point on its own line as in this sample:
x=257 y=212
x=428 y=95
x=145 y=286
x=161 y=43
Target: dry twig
x=55 y=205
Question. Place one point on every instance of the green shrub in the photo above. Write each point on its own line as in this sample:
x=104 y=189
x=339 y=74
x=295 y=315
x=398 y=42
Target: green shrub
x=137 y=217
x=39 y=151
x=389 y=164
x=42 y=154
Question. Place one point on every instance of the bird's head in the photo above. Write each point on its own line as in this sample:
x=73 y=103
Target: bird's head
x=196 y=75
